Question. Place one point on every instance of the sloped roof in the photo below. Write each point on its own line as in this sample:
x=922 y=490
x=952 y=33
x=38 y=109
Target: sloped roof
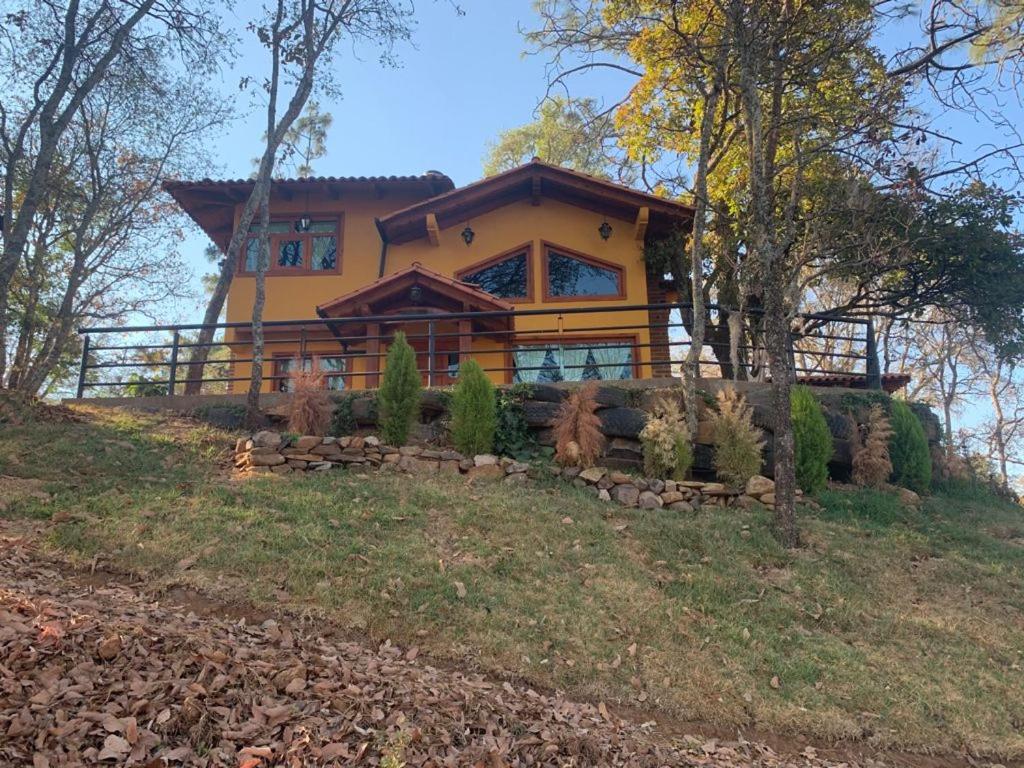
x=534 y=180
x=211 y=202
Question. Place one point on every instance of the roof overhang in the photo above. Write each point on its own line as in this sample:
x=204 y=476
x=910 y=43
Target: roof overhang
x=533 y=181
x=211 y=203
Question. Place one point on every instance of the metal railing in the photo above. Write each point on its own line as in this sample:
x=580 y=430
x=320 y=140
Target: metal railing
x=820 y=344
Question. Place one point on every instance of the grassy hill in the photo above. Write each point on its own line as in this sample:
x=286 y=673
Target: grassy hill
x=897 y=627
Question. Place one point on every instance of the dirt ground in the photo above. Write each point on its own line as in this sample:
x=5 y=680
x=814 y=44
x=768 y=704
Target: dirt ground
x=95 y=671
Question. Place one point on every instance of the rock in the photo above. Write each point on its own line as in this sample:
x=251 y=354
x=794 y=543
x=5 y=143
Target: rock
x=241 y=444
x=410 y=450
x=593 y=474
x=306 y=442
x=570 y=473
x=578 y=483
x=620 y=478
x=712 y=489
x=465 y=465
x=768 y=499
x=357 y=443
x=640 y=483
x=282 y=469
x=649 y=500
x=671 y=497
x=622 y=422
x=297 y=464
x=329 y=450
x=627 y=495
x=515 y=478
x=759 y=485
x=319 y=466
x=450 y=455
x=681 y=506
x=433 y=402
x=695 y=485
x=417 y=465
x=328 y=440
x=392 y=458
x=746 y=502
x=266 y=439
x=625 y=448
x=605 y=482
x=449 y=467
x=908 y=498
x=612 y=397
x=538 y=413
x=430 y=453
x=670 y=485
x=109 y=647
x=484 y=460
x=517 y=468
x=656 y=486
x=266 y=459
x=603 y=494
x=485 y=472
x=372 y=441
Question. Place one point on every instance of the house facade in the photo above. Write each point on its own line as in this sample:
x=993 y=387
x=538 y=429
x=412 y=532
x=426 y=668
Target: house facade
x=537 y=273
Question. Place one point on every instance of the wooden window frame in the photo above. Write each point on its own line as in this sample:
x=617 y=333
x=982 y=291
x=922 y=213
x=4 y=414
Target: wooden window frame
x=526 y=248
x=307 y=247
x=315 y=357
x=547 y=247
x=569 y=339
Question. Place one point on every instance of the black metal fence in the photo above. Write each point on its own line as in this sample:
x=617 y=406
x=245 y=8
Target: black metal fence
x=152 y=359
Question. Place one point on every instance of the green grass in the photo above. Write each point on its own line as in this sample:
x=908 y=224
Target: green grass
x=896 y=626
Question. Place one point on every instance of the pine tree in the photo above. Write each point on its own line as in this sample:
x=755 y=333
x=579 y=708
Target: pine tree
x=474 y=413
x=812 y=439
x=399 y=396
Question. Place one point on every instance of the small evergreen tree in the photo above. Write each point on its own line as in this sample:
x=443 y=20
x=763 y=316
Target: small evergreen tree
x=812 y=440
x=399 y=396
x=473 y=410
x=911 y=459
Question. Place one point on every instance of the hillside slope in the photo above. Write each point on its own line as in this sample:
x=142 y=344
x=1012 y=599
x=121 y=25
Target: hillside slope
x=892 y=627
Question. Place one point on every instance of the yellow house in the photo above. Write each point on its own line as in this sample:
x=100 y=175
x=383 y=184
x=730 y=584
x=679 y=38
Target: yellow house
x=537 y=273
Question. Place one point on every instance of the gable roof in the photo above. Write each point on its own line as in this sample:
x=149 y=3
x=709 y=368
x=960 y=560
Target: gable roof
x=534 y=180
x=211 y=202
x=397 y=283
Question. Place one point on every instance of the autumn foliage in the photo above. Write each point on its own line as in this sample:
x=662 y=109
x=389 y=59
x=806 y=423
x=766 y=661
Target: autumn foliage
x=309 y=406
x=577 y=429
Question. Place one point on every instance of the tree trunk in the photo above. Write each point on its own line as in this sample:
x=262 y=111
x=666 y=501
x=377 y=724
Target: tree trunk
x=252 y=400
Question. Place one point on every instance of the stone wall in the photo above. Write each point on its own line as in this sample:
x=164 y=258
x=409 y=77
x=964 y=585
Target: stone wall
x=271 y=453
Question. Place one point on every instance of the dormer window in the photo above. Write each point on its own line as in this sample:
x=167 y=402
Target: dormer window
x=507 y=275
x=572 y=276
x=296 y=249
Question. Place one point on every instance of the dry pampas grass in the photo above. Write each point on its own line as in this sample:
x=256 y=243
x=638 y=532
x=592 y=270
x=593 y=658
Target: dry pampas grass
x=577 y=429
x=309 y=405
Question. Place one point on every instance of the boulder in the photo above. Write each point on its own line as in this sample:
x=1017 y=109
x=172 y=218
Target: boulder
x=266 y=439
x=266 y=459
x=908 y=498
x=515 y=478
x=620 y=478
x=516 y=468
x=649 y=500
x=306 y=442
x=593 y=474
x=418 y=466
x=410 y=450
x=655 y=485
x=603 y=495
x=627 y=495
x=671 y=497
x=485 y=472
x=768 y=499
x=759 y=485
x=448 y=467
x=622 y=422
x=681 y=506
x=484 y=460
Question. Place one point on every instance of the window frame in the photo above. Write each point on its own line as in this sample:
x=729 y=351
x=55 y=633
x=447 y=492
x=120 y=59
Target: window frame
x=631 y=340
x=314 y=358
x=307 y=246
x=546 y=249
x=525 y=248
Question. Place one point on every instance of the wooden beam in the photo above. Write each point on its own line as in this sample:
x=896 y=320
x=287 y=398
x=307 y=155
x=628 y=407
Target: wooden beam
x=535 y=190
x=643 y=216
x=372 y=350
x=433 y=231
x=465 y=340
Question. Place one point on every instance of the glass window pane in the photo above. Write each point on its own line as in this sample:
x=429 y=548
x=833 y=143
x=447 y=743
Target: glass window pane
x=325 y=253
x=506 y=279
x=569 y=276
x=279 y=227
x=284 y=369
x=289 y=253
x=329 y=366
x=252 y=254
x=323 y=226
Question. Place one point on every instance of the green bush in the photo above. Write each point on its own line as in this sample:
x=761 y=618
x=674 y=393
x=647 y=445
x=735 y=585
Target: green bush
x=399 y=395
x=473 y=410
x=343 y=420
x=513 y=437
x=911 y=459
x=812 y=439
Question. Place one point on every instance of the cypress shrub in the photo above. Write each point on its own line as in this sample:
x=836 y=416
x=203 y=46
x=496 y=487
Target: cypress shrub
x=812 y=439
x=399 y=396
x=911 y=460
x=474 y=411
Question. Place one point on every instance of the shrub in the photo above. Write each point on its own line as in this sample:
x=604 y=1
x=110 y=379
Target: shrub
x=812 y=440
x=871 y=463
x=309 y=406
x=512 y=436
x=911 y=460
x=739 y=445
x=473 y=410
x=399 y=395
x=577 y=430
x=343 y=420
x=666 y=442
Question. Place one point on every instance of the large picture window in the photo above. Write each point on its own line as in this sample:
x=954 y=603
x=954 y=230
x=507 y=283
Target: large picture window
x=507 y=276
x=570 y=275
x=582 y=361
x=296 y=248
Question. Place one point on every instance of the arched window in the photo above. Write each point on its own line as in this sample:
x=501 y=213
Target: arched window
x=507 y=276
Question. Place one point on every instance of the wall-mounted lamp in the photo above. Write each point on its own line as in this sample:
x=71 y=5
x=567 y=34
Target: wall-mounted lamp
x=605 y=230
x=468 y=234
x=303 y=224
x=415 y=294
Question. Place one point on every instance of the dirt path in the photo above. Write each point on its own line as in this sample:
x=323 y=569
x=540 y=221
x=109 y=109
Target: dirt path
x=101 y=674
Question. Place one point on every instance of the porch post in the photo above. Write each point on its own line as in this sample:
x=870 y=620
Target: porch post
x=172 y=374
x=431 y=351
x=372 y=352
x=83 y=367
x=465 y=340
x=874 y=371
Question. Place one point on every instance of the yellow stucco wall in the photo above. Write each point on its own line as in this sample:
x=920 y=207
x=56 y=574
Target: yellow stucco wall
x=295 y=297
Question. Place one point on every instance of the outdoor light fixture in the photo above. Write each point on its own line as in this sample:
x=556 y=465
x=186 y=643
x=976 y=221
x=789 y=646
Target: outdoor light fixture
x=415 y=294
x=468 y=234
x=605 y=230
x=304 y=223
